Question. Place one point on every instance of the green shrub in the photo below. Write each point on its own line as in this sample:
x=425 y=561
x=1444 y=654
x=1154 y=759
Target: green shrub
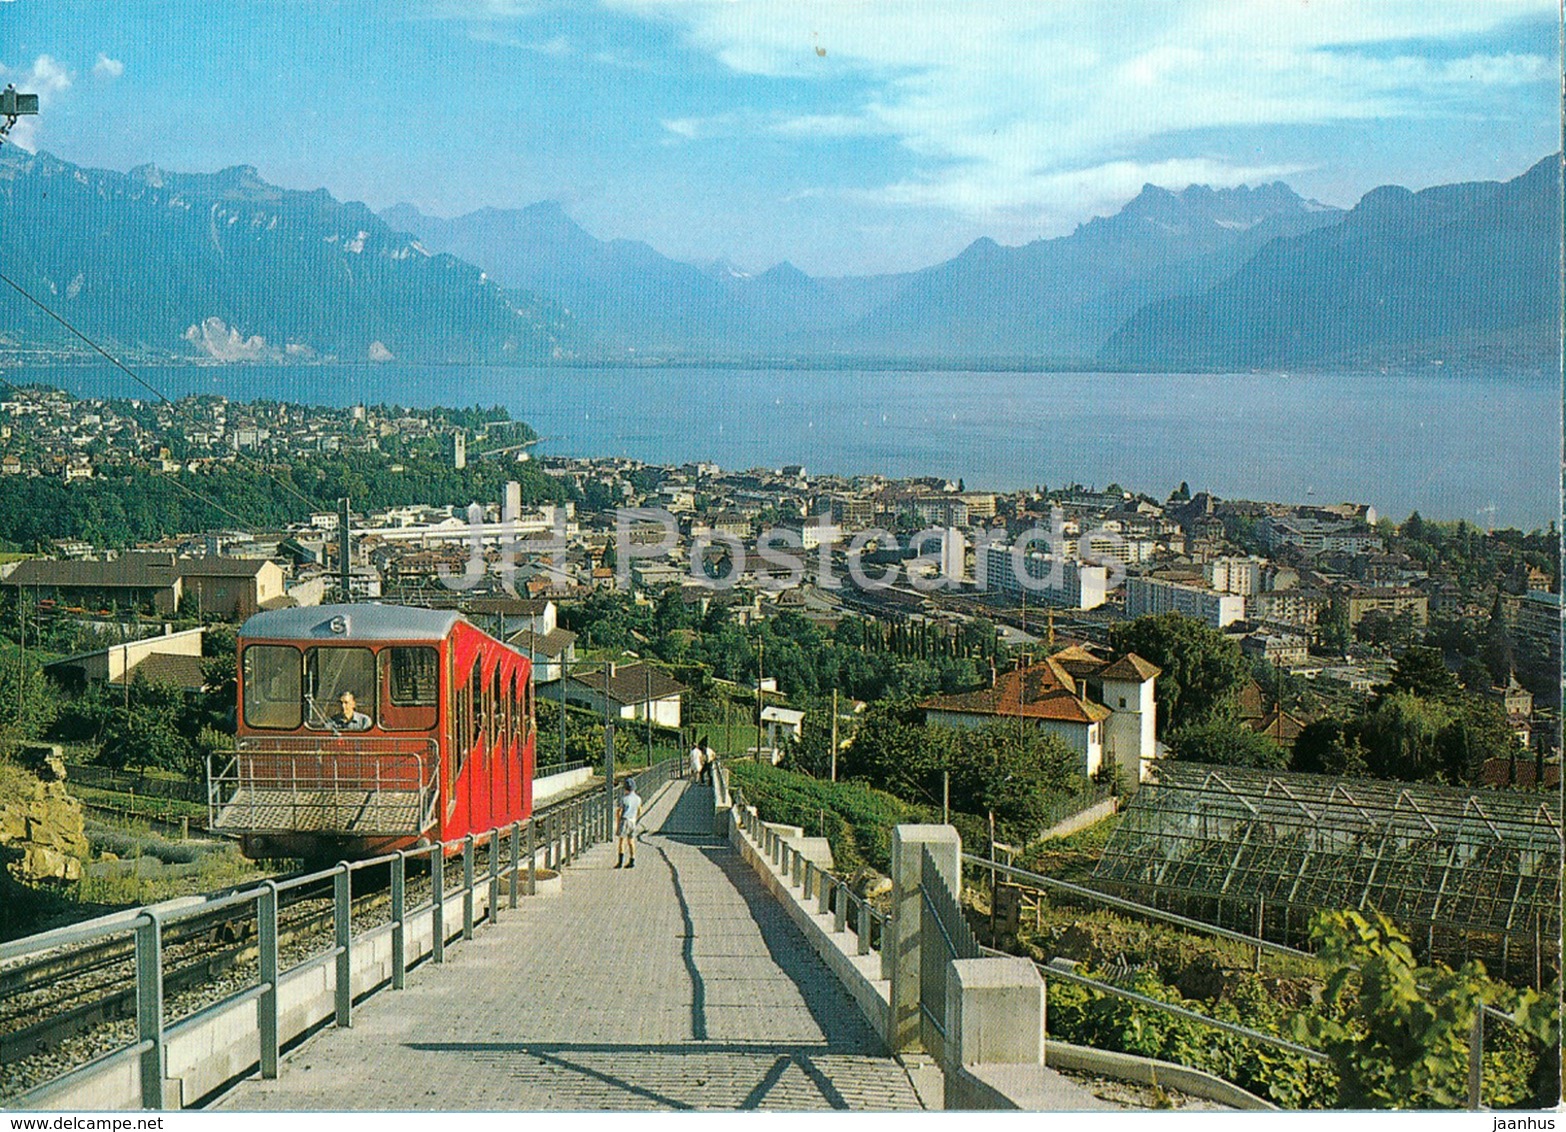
x=1398 y=1033
x=856 y=820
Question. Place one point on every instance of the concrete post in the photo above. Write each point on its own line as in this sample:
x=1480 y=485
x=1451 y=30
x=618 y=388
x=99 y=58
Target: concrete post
x=994 y=1012
x=900 y=947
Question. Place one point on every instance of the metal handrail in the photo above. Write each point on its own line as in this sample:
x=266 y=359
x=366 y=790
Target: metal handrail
x=296 y=767
x=1259 y=943
x=1037 y=880
x=832 y=893
x=569 y=826
x=1050 y=971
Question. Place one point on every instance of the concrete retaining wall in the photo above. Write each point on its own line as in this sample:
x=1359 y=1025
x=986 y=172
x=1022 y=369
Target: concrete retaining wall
x=860 y=974
x=1149 y=1071
x=553 y=785
x=1077 y=822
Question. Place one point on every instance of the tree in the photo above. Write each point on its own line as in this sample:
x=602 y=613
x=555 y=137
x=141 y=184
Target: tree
x=1422 y=671
x=220 y=697
x=1498 y=652
x=29 y=703
x=147 y=731
x=1325 y=746
x=1203 y=670
x=1226 y=741
x=1401 y=736
x=1474 y=676
x=1332 y=627
x=1003 y=768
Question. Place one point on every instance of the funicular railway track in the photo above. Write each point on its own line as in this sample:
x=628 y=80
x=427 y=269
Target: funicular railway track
x=62 y=1009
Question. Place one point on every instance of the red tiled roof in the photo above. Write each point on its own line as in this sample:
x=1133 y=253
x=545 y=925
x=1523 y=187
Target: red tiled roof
x=1039 y=691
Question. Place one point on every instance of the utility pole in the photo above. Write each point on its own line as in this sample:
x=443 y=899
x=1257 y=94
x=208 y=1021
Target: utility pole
x=761 y=645
x=21 y=670
x=565 y=674
x=647 y=705
x=609 y=771
x=834 y=734
x=344 y=548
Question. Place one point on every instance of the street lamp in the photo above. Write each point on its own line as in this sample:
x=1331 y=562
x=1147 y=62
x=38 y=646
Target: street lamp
x=14 y=105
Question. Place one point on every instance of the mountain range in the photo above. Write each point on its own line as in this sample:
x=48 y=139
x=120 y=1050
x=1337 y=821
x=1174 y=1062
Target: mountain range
x=1059 y=298
x=1466 y=272
x=226 y=266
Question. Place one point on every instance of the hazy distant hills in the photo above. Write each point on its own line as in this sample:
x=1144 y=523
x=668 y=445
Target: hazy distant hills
x=1465 y=272
x=226 y=266
x=1059 y=298
x=623 y=295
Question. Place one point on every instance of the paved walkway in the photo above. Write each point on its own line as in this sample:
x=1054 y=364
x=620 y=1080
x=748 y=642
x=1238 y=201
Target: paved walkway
x=679 y=984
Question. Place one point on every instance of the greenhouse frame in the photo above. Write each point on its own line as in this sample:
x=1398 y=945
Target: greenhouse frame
x=1467 y=874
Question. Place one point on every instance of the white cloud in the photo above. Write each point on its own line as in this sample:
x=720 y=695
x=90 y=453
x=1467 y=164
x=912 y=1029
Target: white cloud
x=690 y=128
x=106 y=68
x=46 y=77
x=1029 y=198
x=1014 y=106
x=487 y=33
x=829 y=126
x=216 y=339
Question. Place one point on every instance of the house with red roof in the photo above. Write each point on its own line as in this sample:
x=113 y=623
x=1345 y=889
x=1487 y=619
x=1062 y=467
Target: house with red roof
x=1103 y=707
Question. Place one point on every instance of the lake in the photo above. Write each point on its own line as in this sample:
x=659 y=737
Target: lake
x=1478 y=446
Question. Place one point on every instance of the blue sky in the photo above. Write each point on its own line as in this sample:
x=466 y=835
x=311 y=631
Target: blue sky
x=847 y=137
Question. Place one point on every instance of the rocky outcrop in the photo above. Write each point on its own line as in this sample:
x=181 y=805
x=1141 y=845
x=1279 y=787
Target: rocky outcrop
x=41 y=830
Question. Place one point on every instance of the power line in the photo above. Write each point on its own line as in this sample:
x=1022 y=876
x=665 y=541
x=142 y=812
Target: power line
x=210 y=503
x=137 y=378
x=155 y=391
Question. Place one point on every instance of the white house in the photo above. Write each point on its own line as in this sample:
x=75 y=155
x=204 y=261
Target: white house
x=1104 y=709
x=552 y=653
x=633 y=690
x=781 y=720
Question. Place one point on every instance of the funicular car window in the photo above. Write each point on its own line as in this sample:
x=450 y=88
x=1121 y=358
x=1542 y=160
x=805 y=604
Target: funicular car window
x=476 y=698
x=525 y=688
x=410 y=682
x=331 y=675
x=500 y=712
x=519 y=697
x=460 y=730
x=272 y=687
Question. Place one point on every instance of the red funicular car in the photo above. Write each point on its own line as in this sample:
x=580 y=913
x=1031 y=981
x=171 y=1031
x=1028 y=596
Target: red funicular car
x=367 y=728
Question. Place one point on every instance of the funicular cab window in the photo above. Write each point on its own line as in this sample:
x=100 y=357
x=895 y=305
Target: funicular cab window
x=410 y=678
x=272 y=687
x=500 y=711
x=331 y=675
x=477 y=721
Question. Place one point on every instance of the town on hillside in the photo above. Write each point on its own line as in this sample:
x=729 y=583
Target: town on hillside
x=1317 y=604
x=1242 y=714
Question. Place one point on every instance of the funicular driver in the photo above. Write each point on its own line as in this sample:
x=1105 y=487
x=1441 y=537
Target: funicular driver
x=348 y=717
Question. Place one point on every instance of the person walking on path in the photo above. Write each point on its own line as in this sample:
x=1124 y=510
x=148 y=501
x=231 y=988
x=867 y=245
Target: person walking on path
x=696 y=759
x=625 y=819
x=707 y=759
